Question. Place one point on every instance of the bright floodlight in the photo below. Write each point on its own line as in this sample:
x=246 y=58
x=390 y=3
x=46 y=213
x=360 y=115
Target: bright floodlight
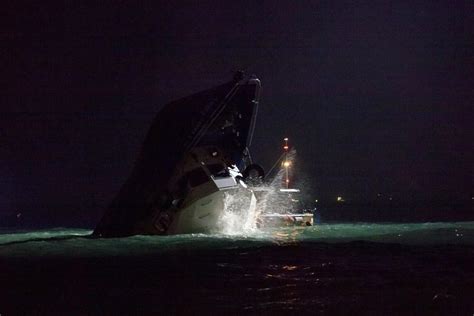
x=286 y=164
x=290 y=190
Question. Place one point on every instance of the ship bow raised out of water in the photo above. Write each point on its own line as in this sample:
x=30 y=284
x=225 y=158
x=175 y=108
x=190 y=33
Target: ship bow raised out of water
x=195 y=151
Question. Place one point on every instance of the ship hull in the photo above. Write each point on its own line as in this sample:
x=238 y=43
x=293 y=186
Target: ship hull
x=203 y=216
x=209 y=213
x=192 y=154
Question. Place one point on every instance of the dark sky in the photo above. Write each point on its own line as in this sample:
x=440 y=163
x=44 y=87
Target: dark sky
x=376 y=96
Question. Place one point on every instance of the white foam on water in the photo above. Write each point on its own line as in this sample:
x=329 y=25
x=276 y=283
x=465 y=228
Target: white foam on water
x=241 y=208
x=239 y=216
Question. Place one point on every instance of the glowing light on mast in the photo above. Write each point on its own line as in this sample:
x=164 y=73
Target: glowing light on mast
x=286 y=164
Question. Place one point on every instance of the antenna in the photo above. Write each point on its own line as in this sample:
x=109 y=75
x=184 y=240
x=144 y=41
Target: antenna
x=286 y=163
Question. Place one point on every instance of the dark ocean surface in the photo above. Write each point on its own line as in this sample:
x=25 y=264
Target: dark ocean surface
x=363 y=268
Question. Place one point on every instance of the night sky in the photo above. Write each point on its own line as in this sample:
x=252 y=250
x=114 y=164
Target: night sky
x=375 y=96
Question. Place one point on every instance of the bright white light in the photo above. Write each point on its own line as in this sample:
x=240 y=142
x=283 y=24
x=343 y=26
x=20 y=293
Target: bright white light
x=290 y=190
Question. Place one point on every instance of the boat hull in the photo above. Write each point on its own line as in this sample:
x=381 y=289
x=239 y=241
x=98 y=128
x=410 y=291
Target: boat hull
x=211 y=213
x=199 y=140
x=203 y=216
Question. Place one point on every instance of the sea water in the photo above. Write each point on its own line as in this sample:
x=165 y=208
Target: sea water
x=390 y=268
x=77 y=242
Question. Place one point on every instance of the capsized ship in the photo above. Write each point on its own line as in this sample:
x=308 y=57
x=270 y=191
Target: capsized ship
x=196 y=152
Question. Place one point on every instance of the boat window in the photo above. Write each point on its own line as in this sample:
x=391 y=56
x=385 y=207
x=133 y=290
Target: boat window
x=197 y=177
x=218 y=170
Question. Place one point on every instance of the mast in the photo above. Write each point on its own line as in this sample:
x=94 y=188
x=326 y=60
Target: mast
x=286 y=163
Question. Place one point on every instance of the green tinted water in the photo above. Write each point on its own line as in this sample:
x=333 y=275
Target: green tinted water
x=76 y=242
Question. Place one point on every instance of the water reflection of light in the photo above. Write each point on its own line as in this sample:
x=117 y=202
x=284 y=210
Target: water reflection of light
x=289 y=268
x=287 y=236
